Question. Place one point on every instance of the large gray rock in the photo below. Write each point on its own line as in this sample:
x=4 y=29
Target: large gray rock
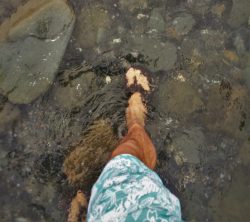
x=32 y=44
x=240 y=13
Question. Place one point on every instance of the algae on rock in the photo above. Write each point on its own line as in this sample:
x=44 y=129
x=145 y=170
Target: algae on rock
x=84 y=164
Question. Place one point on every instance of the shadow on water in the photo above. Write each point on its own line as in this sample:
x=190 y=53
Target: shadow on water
x=197 y=54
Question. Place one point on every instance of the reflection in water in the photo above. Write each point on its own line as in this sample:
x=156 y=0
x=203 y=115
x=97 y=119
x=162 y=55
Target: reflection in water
x=197 y=54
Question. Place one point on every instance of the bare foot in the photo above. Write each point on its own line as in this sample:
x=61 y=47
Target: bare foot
x=136 y=111
x=136 y=77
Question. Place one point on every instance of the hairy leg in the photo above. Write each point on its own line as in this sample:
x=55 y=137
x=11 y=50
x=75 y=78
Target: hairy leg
x=138 y=144
x=137 y=141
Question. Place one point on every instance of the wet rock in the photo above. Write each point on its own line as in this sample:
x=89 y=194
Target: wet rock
x=8 y=6
x=232 y=204
x=93 y=24
x=158 y=55
x=239 y=44
x=132 y=5
x=156 y=21
x=3 y=101
x=206 y=42
x=245 y=153
x=247 y=76
x=75 y=92
x=46 y=128
x=181 y=25
x=205 y=48
x=219 y=9
x=187 y=145
x=32 y=44
x=231 y=56
x=240 y=13
x=8 y=114
x=178 y=98
x=200 y=7
x=21 y=219
x=47 y=167
x=232 y=105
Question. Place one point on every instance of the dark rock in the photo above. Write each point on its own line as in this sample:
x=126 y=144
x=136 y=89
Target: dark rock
x=156 y=21
x=158 y=55
x=181 y=25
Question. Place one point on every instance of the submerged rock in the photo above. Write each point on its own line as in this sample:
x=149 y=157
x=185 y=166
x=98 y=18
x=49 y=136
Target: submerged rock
x=231 y=105
x=132 y=5
x=232 y=204
x=240 y=13
x=240 y=43
x=206 y=47
x=156 y=21
x=178 y=98
x=187 y=146
x=181 y=25
x=158 y=55
x=200 y=7
x=8 y=114
x=245 y=153
x=247 y=76
x=218 y=9
x=93 y=24
x=32 y=43
x=76 y=91
x=8 y=6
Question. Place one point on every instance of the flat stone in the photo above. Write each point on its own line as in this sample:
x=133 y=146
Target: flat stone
x=92 y=27
x=188 y=145
x=178 y=98
x=156 y=21
x=240 y=13
x=179 y=26
x=159 y=55
x=32 y=43
x=75 y=93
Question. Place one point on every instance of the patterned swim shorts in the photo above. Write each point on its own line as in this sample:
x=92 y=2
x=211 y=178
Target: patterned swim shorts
x=127 y=191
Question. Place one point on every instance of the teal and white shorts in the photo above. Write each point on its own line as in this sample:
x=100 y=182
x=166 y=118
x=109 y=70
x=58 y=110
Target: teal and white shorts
x=129 y=191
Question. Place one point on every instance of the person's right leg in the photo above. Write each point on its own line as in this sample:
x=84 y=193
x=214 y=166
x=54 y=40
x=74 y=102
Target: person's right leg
x=138 y=144
x=137 y=141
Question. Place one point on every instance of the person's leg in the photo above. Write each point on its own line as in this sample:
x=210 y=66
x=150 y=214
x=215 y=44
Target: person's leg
x=137 y=141
x=138 y=144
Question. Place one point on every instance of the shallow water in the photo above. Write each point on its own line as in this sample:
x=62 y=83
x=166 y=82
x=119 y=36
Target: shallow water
x=197 y=54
